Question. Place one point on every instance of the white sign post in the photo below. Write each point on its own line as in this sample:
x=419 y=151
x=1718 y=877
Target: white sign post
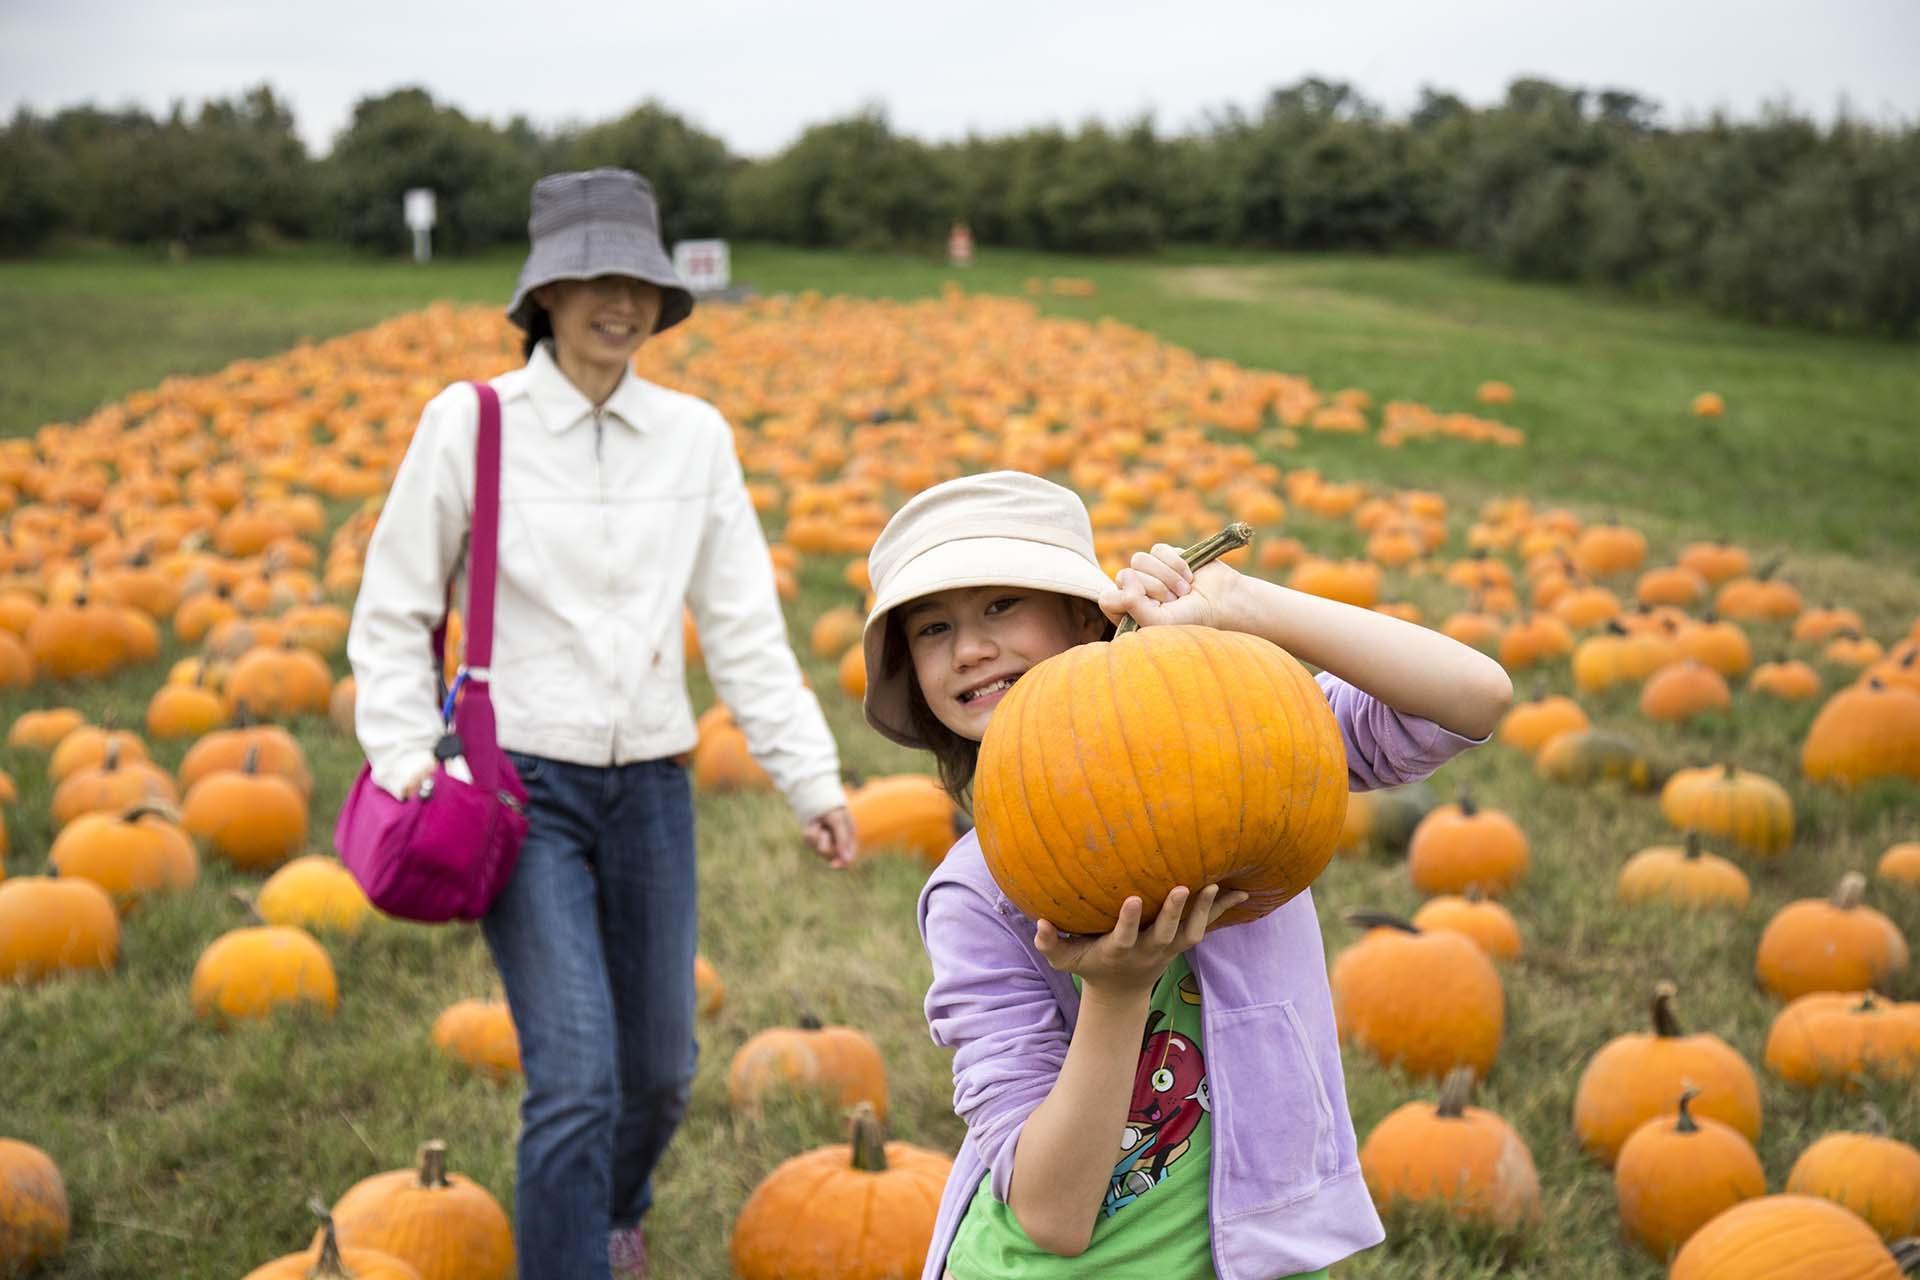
x=703 y=264
x=420 y=212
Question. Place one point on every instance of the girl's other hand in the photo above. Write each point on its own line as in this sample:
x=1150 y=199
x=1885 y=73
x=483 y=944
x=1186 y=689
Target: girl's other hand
x=1158 y=589
x=1127 y=962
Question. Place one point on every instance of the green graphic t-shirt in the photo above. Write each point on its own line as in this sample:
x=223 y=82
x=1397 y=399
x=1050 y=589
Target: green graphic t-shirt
x=1155 y=1211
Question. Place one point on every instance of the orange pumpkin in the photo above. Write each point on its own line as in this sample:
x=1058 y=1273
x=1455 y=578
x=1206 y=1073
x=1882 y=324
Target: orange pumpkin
x=1489 y=924
x=328 y=1261
x=1469 y=1161
x=479 y=1035
x=1252 y=802
x=911 y=812
x=840 y=1064
x=35 y=1220
x=1677 y=1173
x=53 y=926
x=1829 y=944
x=1798 y=1237
x=859 y=1211
x=1868 y=731
x=1840 y=1038
x=1685 y=877
x=443 y=1224
x=1460 y=845
x=253 y=819
x=1682 y=690
x=1748 y=808
x=1635 y=1077
x=1528 y=726
x=248 y=973
x=1876 y=1176
x=1426 y=1002
x=130 y=854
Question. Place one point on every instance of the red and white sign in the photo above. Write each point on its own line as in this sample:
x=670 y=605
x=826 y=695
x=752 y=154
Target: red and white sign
x=704 y=265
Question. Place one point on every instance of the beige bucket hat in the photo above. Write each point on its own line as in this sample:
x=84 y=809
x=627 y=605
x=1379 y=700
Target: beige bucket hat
x=996 y=528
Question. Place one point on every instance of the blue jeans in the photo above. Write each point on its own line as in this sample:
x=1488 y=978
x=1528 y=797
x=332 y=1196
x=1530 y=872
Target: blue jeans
x=594 y=938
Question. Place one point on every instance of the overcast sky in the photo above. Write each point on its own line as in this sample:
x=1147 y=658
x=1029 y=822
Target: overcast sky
x=756 y=71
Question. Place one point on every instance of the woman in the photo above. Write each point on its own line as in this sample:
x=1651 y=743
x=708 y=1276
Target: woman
x=619 y=500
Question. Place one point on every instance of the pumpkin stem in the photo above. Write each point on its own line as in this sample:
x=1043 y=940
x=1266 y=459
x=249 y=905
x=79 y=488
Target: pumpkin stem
x=1686 y=1123
x=1454 y=1092
x=1665 y=1024
x=1906 y=1255
x=1380 y=920
x=1474 y=893
x=809 y=1022
x=1693 y=846
x=1728 y=775
x=433 y=1163
x=1867 y=1003
x=1847 y=894
x=1467 y=807
x=151 y=809
x=1204 y=552
x=869 y=1140
x=329 y=1265
x=251 y=762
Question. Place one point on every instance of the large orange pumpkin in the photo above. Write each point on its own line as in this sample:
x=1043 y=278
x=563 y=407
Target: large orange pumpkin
x=1785 y=1237
x=1170 y=756
x=1634 y=1078
x=858 y=1211
x=841 y=1064
x=1426 y=1002
x=1829 y=944
x=34 y=1217
x=51 y=926
x=1876 y=1176
x=1448 y=1153
x=446 y=1225
x=1840 y=1038
x=328 y=1261
x=1676 y=1173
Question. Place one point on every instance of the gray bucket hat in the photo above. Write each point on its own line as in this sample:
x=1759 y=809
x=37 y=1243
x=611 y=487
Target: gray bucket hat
x=598 y=222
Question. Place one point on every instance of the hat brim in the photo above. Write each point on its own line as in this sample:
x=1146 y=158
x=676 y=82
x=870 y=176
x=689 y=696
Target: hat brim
x=962 y=562
x=588 y=250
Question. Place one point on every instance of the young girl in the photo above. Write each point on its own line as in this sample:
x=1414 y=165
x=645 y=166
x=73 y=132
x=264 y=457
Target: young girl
x=1162 y=1100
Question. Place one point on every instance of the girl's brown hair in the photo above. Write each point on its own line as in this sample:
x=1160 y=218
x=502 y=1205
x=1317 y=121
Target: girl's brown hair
x=955 y=757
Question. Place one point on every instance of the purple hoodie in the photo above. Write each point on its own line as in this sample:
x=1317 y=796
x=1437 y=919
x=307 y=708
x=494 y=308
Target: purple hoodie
x=1286 y=1194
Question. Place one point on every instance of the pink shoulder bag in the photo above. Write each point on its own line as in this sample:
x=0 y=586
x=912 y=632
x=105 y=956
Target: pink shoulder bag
x=447 y=852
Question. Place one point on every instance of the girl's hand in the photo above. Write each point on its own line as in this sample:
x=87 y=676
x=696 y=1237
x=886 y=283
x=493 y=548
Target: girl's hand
x=1127 y=962
x=1158 y=589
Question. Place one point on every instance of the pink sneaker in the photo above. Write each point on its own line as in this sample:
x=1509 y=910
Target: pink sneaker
x=627 y=1254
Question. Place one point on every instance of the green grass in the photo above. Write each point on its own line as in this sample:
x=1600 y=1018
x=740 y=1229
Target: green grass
x=189 y=1151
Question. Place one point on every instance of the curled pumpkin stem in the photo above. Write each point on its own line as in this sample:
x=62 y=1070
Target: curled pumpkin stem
x=1204 y=552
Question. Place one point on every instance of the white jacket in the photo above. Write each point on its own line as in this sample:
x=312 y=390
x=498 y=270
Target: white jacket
x=609 y=520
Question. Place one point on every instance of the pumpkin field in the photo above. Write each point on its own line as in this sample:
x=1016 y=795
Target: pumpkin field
x=1655 y=934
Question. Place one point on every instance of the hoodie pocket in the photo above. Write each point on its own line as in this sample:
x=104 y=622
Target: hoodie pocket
x=1273 y=1120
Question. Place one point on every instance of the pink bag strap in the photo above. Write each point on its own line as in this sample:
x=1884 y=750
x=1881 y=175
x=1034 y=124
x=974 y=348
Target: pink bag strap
x=483 y=546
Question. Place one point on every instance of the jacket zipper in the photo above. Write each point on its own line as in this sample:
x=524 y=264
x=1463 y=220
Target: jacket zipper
x=606 y=533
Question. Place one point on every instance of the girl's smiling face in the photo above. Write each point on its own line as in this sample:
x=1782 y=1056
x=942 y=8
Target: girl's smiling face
x=969 y=644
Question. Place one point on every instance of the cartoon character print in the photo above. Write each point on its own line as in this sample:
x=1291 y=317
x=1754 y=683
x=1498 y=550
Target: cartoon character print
x=1169 y=1101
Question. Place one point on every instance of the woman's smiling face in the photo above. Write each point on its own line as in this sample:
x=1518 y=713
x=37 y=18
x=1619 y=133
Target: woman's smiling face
x=969 y=644
x=601 y=321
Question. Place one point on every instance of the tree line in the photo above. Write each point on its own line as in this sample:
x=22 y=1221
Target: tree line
x=1777 y=218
